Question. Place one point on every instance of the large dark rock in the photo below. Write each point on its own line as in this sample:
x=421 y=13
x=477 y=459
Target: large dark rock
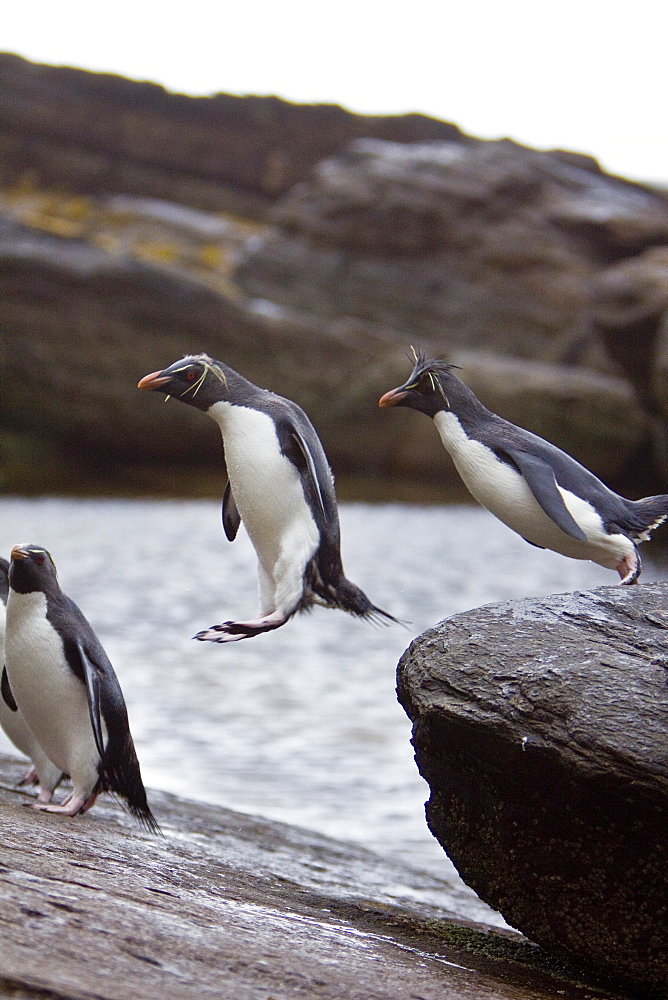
x=96 y=133
x=81 y=325
x=629 y=311
x=485 y=244
x=540 y=726
x=629 y=304
x=116 y=260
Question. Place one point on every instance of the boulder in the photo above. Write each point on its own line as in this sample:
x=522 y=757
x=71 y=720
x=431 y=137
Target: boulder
x=629 y=303
x=659 y=381
x=540 y=726
x=96 y=133
x=480 y=244
x=85 y=317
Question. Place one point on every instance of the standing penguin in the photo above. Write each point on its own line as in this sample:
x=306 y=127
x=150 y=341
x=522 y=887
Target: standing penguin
x=42 y=772
x=280 y=485
x=533 y=487
x=67 y=690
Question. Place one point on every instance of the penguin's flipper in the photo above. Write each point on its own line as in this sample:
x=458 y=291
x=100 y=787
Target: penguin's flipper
x=91 y=677
x=6 y=690
x=310 y=465
x=231 y=516
x=540 y=479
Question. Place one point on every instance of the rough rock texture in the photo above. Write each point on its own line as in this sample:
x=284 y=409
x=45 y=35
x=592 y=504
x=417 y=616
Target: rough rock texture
x=485 y=244
x=97 y=133
x=238 y=908
x=540 y=726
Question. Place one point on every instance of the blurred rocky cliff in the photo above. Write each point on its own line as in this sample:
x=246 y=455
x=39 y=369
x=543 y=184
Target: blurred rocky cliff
x=309 y=247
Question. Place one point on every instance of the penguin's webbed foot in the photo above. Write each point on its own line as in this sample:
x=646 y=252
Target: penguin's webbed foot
x=72 y=806
x=629 y=568
x=28 y=779
x=234 y=631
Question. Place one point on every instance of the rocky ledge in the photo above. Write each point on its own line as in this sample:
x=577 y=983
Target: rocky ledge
x=540 y=726
x=235 y=907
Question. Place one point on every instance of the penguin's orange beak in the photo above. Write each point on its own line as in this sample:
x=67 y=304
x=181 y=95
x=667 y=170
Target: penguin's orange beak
x=392 y=397
x=18 y=552
x=152 y=381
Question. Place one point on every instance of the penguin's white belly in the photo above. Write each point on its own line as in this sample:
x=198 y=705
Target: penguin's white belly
x=13 y=723
x=266 y=486
x=51 y=698
x=15 y=727
x=505 y=493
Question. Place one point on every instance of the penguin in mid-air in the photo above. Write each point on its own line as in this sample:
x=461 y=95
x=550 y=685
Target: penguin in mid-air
x=532 y=486
x=67 y=691
x=42 y=771
x=280 y=485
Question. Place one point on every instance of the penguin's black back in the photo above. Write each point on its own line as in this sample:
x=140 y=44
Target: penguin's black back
x=326 y=515
x=4 y=579
x=499 y=434
x=119 y=767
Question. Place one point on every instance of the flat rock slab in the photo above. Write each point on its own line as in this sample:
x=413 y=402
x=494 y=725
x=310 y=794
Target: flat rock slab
x=231 y=906
x=540 y=726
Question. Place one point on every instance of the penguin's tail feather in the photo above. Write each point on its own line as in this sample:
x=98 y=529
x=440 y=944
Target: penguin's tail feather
x=125 y=782
x=325 y=583
x=350 y=598
x=648 y=514
x=143 y=815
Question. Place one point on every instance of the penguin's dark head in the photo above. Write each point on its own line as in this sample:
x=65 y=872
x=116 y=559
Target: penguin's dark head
x=196 y=379
x=431 y=387
x=31 y=568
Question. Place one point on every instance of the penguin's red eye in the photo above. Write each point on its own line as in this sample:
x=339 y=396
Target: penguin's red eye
x=190 y=376
x=39 y=560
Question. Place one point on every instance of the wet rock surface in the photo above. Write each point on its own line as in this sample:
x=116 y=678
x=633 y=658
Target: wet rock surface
x=233 y=906
x=540 y=726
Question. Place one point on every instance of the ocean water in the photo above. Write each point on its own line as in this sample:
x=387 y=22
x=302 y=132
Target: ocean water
x=300 y=725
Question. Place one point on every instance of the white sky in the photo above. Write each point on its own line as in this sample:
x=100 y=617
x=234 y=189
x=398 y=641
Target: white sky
x=587 y=75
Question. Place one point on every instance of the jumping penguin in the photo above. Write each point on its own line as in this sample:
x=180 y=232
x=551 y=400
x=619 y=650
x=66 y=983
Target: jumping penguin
x=42 y=771
x=532 y=486
x=280 y=485
x=67 y=690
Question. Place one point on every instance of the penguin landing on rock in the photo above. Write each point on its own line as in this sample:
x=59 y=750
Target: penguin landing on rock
x=280 y=485
x=533 y=487
x=42 y=772
x=67 y=691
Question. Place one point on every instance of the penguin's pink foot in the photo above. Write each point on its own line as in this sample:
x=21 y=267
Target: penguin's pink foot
x=72 y=806
x=629 y=568
x=234 y=631
x=29 y=778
